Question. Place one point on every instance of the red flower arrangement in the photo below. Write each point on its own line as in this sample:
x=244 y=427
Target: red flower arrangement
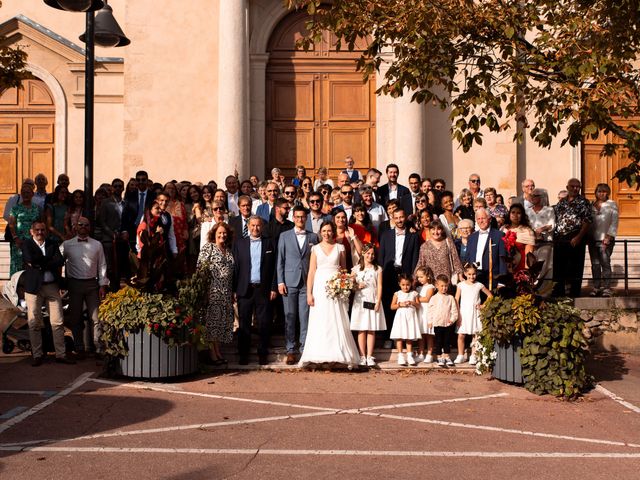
x=509 y=240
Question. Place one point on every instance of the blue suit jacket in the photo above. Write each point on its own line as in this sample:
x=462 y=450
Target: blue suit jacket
x=264 y=211
x=498 y=252
x=292 y=265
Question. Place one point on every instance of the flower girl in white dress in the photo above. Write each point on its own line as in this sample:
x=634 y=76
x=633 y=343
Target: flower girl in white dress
x=406 y=326
x=367 y=315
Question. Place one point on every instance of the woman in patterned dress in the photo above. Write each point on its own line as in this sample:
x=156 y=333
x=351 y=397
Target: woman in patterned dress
x=20 y=219
x=218 y=318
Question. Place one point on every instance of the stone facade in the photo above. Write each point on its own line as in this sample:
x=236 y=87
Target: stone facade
x=611 y=325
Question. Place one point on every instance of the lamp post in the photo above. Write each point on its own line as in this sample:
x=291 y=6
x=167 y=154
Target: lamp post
x=101 y=29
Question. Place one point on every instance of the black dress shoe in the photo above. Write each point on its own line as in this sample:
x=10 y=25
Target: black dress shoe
x=262 y=360
x=291 y=359
x=36 y=362
x=66 y=360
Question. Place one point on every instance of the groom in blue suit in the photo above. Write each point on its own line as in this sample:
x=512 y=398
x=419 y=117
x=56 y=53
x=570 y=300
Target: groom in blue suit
x=294 y=251
x=482 y=241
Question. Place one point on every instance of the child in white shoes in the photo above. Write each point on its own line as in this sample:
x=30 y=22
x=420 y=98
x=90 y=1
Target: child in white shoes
x=367 y=315
x=443 y=312
x=406 y=327
x=468 y=298
x=424 y=276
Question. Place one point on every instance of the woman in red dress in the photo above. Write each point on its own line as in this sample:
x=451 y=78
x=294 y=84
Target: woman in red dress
x=362 y=226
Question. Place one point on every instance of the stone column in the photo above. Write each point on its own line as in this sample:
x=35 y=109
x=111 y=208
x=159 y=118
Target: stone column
x=232 y=142
x=258 y=69
x=409 y=141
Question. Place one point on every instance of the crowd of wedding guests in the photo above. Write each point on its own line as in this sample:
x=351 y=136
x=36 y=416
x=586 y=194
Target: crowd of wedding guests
x=410 y=247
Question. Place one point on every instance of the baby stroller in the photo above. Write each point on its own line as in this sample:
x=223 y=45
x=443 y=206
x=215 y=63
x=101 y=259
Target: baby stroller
x=16 y=333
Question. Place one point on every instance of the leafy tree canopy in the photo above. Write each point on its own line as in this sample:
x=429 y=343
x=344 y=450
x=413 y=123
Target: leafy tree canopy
x=561 y=68
x=12 y=65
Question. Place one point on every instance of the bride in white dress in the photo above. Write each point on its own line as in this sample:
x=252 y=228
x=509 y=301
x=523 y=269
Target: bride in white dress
x=329 y=337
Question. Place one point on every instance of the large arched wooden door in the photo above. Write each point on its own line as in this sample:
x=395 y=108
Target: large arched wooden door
x=601 y=169
x=27 y=122
x=318 y=109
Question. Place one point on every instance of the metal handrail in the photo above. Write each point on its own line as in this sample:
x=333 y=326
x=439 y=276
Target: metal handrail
x=625 y=276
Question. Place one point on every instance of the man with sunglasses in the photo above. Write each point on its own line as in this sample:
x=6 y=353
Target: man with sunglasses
x=280 y=222
x=316 y=218
x=87 y=282
x=474 y=186
x=346 y=196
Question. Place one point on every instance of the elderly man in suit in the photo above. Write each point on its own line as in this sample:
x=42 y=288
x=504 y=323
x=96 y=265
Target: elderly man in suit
x=486 y=249
x=398 y=253
x=43 y=262
x=254 y=283
x=294 y=251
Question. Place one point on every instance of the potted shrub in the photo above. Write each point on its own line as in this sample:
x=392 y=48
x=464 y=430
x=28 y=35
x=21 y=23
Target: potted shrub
x=149 y=333
x=530 y=340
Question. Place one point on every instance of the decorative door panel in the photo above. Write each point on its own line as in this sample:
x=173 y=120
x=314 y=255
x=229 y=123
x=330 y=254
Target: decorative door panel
x=27 y=136
x=601 y=169
x=318 y=109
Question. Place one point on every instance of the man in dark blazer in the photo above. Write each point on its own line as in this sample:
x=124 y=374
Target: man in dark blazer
x=394 y=262
x=134 y=207
x=42 y=279
x=254 y=283
x=240 y=223
x=480 y=243
x=392 y=189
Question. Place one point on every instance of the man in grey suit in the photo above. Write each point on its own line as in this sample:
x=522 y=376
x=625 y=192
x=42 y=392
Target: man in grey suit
x=294 y=251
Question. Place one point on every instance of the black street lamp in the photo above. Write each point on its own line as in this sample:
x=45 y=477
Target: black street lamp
x=103 y=30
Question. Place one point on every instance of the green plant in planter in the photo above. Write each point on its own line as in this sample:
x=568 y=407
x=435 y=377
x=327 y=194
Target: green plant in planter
x=554 y=351
x=172 y=318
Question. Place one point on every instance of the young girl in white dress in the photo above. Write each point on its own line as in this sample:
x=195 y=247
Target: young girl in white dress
x=468 y=298
x=406 y=326
x=367 y=315
x=424 y=276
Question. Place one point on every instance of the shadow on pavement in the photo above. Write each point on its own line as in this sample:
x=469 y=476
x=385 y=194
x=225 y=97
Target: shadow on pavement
x=607 y=366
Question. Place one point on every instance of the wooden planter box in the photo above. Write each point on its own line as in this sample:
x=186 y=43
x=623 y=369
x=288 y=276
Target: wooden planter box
x=507 y=367
x=150 y=357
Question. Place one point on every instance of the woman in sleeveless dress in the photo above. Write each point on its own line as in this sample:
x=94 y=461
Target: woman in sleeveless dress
x=329 y=337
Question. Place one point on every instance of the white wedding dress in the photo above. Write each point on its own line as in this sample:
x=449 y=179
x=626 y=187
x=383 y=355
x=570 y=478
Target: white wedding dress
x=329 y=338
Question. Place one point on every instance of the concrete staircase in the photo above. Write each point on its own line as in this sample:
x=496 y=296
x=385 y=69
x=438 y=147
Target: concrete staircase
x=617 y=265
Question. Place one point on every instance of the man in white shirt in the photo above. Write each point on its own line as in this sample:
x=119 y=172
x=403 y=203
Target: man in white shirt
x=87 y=282
x=375 y=210
x=355 y=177
x=543 y=220
x=231 y=183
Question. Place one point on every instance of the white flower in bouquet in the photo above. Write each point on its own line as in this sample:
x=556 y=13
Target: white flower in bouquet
x=340 y=285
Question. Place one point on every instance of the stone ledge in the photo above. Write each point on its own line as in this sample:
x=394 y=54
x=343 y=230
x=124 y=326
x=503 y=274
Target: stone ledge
x=599 y=303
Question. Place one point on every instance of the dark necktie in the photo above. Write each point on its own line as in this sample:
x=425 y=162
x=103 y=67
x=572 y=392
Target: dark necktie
x=245 y=228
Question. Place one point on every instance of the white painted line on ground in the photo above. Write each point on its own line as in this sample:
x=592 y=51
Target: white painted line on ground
x=618 y=399
x=503 y=430
x=170 y=429
x=146 y=386
x=350 y=453
x=82 y=379
x=431 y=402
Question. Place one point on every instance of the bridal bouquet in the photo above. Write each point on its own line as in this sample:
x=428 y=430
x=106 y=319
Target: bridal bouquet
x=340 y=285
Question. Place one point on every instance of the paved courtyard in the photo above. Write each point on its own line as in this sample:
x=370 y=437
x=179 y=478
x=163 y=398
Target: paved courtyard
x=65 y=422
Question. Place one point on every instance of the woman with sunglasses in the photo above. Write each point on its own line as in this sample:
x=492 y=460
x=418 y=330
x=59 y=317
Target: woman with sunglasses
x=327 y=204
x=304 y=192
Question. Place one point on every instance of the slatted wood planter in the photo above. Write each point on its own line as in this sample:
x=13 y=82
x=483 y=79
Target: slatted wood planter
x=150 y=357
x=507 y=367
